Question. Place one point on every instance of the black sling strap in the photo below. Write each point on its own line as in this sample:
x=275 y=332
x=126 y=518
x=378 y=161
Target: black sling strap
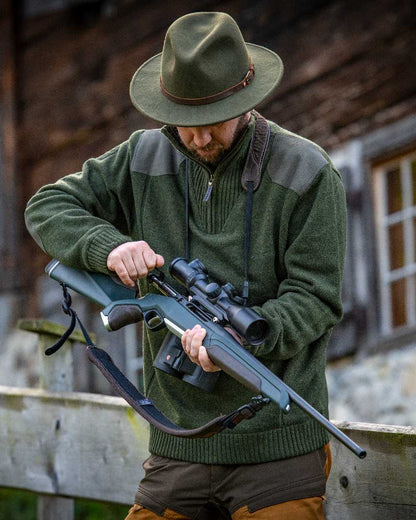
x=250 y=181
x=125 y=388
x=148 y=410
x=256 y=153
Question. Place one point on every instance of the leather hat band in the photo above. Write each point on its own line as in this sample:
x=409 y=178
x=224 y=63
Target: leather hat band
x=215 y=97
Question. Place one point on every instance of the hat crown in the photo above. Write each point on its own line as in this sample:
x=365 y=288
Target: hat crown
x=203 y=54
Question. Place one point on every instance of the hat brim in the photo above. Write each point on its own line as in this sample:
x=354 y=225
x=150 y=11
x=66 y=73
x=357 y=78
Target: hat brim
x=147 y=96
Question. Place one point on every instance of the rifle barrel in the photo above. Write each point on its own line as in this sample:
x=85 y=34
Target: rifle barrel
x=332 y=429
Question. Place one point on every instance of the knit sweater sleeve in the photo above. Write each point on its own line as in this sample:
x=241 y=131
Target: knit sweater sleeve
x=81 y=218
x=308 y=302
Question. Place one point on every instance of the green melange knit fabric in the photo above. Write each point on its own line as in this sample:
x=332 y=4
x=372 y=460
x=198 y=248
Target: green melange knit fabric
x=136 y=192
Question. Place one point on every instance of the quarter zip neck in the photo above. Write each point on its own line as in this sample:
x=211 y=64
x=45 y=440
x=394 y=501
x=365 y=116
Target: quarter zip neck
x=212 y=174
x=172 y=134
x=209 y=188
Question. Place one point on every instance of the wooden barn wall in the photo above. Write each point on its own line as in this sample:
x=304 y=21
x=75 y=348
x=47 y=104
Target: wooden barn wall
x=349 y=69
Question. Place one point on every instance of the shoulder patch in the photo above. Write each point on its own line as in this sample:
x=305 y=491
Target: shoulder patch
x=155 y=155
x=295 y=162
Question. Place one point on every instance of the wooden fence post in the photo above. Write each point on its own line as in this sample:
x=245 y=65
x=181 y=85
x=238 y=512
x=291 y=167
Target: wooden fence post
x=52 y=508
x=56 y=375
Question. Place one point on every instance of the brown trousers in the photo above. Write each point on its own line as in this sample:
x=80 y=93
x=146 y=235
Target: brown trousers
x=302 y=509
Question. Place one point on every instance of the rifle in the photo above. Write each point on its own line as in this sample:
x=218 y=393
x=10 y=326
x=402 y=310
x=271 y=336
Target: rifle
x=212 y=306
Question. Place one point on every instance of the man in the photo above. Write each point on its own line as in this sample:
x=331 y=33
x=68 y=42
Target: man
x=179 y=191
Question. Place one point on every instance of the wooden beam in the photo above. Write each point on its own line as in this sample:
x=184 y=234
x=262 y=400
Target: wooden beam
x=56 y=374
x=92 y=446
x=380 y=487
x=71 y=444
x=50 y=328
x=51 y=508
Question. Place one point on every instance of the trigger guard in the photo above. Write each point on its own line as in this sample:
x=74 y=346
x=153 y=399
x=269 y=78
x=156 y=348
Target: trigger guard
x=153 y=315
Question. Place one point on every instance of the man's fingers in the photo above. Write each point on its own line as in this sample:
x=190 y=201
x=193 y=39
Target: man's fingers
x=133 y=260
x=205 y=362
x=125 y=270
x=151 y=260
x=192 y=340
x=195 y=343
x=130 y=266
x=192 y=344
x=123 y=274
x=159 y=261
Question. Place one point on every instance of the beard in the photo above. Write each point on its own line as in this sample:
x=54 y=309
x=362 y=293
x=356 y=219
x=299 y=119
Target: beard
x=213 y=153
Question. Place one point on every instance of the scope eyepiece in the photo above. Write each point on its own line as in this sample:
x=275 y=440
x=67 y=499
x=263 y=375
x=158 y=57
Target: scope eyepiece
x=248 y=323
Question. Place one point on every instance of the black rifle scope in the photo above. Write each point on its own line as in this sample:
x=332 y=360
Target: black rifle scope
x=221 y=301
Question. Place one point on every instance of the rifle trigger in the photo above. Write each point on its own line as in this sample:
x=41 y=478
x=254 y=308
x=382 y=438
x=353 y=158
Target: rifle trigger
x=154 y=321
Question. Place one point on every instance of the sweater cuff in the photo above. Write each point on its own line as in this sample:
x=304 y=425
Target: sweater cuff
x=101 y=245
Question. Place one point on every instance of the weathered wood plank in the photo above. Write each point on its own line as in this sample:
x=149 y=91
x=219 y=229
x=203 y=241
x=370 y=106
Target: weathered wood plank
x=92 y=446
x=368 y=94
x=330 y=36
x=71 y=444
x=380 y=487
x=52 y=508
x=52 y=329
x=339 y=67
x=99 y=59
x=10 y=276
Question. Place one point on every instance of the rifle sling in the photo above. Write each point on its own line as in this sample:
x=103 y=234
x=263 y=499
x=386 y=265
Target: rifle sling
x=257 y=150
x=144 y=406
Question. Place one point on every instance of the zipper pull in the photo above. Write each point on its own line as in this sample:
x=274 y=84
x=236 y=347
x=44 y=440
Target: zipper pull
x=209 y=189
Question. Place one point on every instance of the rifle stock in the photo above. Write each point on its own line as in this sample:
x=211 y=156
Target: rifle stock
x=100 y=288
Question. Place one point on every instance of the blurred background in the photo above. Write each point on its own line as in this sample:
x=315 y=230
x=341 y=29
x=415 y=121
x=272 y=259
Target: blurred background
x=349 y=85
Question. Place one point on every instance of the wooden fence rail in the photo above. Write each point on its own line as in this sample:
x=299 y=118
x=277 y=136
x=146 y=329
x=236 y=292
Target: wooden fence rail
x=71 y=444
x=65 y=445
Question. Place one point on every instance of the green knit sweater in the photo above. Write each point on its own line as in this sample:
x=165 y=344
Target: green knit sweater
x=136 y=192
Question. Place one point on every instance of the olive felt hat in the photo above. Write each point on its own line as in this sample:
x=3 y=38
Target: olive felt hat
x=205 y=74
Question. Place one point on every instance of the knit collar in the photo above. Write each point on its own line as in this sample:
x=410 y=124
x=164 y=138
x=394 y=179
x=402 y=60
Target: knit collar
x=242 y=144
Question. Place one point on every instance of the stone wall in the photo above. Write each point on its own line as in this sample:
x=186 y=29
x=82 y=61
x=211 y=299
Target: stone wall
x=378 y=389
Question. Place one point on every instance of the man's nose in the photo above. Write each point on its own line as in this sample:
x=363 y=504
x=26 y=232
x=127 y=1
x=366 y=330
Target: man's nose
x=201 y=136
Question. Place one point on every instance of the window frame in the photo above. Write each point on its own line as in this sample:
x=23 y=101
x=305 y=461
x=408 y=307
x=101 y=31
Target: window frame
x=384 y=220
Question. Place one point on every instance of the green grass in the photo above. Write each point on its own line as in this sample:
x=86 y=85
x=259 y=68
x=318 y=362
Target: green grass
x=17 y=505
x=21 y=505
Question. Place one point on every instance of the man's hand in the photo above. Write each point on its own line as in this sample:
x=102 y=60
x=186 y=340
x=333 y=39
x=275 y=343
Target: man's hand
x=197 y=353
x=133 y=260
